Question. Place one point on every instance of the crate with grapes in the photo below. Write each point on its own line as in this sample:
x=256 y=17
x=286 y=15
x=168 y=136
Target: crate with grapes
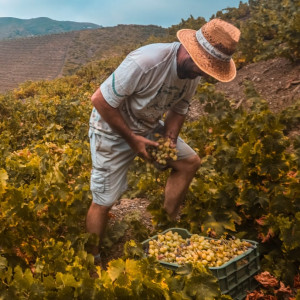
x=233 y=261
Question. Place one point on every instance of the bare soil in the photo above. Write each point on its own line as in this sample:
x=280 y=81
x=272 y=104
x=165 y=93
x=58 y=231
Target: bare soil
x=120 y=210
x=276 y=80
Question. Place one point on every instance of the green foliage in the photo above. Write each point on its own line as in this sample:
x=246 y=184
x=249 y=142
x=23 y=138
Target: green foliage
x=190 y=23
x=273 y=30
x=290 y=117
x=233 y=14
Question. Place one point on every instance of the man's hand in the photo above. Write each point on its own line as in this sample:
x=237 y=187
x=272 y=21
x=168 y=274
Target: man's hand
x=173 y=124
x=173 y=141
x=139 y=144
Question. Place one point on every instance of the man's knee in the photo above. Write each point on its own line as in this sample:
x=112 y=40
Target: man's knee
x=191 y=164
x=188 y=165
x=196 y=162
x=97 y=208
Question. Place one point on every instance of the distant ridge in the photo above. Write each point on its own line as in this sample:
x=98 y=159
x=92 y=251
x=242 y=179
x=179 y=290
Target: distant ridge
x=11 y=28
x=49 y=56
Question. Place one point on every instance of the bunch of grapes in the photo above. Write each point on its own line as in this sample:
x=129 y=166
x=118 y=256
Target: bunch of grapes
x=163 y=152
x=171 y=247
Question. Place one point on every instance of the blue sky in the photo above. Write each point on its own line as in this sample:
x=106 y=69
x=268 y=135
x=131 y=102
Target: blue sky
x=112 y=12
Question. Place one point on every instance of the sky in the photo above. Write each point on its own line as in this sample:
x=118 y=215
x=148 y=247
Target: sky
x=113 y=12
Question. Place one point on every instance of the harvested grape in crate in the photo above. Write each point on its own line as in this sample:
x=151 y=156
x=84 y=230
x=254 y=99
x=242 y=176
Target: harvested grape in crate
x=233 y=262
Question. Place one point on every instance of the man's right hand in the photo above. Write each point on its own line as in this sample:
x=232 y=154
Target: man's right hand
x=139 y=144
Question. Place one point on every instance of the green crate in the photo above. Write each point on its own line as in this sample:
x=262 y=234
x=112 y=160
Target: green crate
x=236 y=277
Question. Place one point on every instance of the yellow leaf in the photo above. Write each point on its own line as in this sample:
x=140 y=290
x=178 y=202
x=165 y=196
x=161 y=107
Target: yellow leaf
x=3 y=178
x=131 y=267
x=115 y=268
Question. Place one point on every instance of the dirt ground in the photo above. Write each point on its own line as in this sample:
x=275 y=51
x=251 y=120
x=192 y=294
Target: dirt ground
x=123 y=208
x=276 y=80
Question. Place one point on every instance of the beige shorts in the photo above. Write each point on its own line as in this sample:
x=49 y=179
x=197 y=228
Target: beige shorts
x=111 y=158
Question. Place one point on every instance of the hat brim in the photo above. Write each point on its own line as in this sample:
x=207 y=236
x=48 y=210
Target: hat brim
x=223 y=71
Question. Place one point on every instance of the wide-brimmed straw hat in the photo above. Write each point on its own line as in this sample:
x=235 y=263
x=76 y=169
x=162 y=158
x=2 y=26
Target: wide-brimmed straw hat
x=211 y=48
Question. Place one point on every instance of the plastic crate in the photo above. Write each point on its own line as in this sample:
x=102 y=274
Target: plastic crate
x=235 y=277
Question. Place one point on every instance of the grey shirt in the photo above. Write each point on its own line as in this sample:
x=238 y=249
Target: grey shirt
x=144 y=87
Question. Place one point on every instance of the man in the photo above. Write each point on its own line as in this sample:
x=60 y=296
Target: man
x=129 y=105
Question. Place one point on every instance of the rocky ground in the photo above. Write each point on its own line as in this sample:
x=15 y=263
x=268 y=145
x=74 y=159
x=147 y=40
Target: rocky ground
x=276 y=80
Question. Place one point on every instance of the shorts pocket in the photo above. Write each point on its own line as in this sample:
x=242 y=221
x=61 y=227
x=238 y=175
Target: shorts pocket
x=97 y=181
x=104 y=145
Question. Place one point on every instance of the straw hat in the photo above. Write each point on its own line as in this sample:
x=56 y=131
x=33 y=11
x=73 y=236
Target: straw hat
x=211 y=48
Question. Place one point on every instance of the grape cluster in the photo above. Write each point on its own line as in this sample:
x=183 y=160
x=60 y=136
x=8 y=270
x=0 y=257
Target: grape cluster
x=171 y=247
x=163 y=152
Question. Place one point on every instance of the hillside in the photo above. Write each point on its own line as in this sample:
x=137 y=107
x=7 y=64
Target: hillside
x=49 y=56
x=92 y=45
x=32 y=59
x=11 y=28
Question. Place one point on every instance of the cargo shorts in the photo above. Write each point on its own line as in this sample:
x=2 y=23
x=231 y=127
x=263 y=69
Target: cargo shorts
x=111 y=158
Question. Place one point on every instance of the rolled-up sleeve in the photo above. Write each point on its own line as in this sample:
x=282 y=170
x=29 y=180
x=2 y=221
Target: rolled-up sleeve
x=122 y=83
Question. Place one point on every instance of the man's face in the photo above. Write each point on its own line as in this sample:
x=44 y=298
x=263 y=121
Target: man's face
x=187 y=69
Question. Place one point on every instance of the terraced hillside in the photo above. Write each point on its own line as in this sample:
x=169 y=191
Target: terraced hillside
x=49 y=56
x=91 y=45
x=32 y=59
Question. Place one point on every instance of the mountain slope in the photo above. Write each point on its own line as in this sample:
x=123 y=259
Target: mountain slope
x=11 y=28
x=49 y=56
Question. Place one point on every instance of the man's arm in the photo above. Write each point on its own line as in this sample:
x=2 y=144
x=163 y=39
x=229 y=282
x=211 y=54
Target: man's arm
x=114 y=118
x=173 y=123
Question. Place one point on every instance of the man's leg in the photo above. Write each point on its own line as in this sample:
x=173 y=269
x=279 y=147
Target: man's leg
x=178 y=183
x=96 y=221
x=111 y=159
